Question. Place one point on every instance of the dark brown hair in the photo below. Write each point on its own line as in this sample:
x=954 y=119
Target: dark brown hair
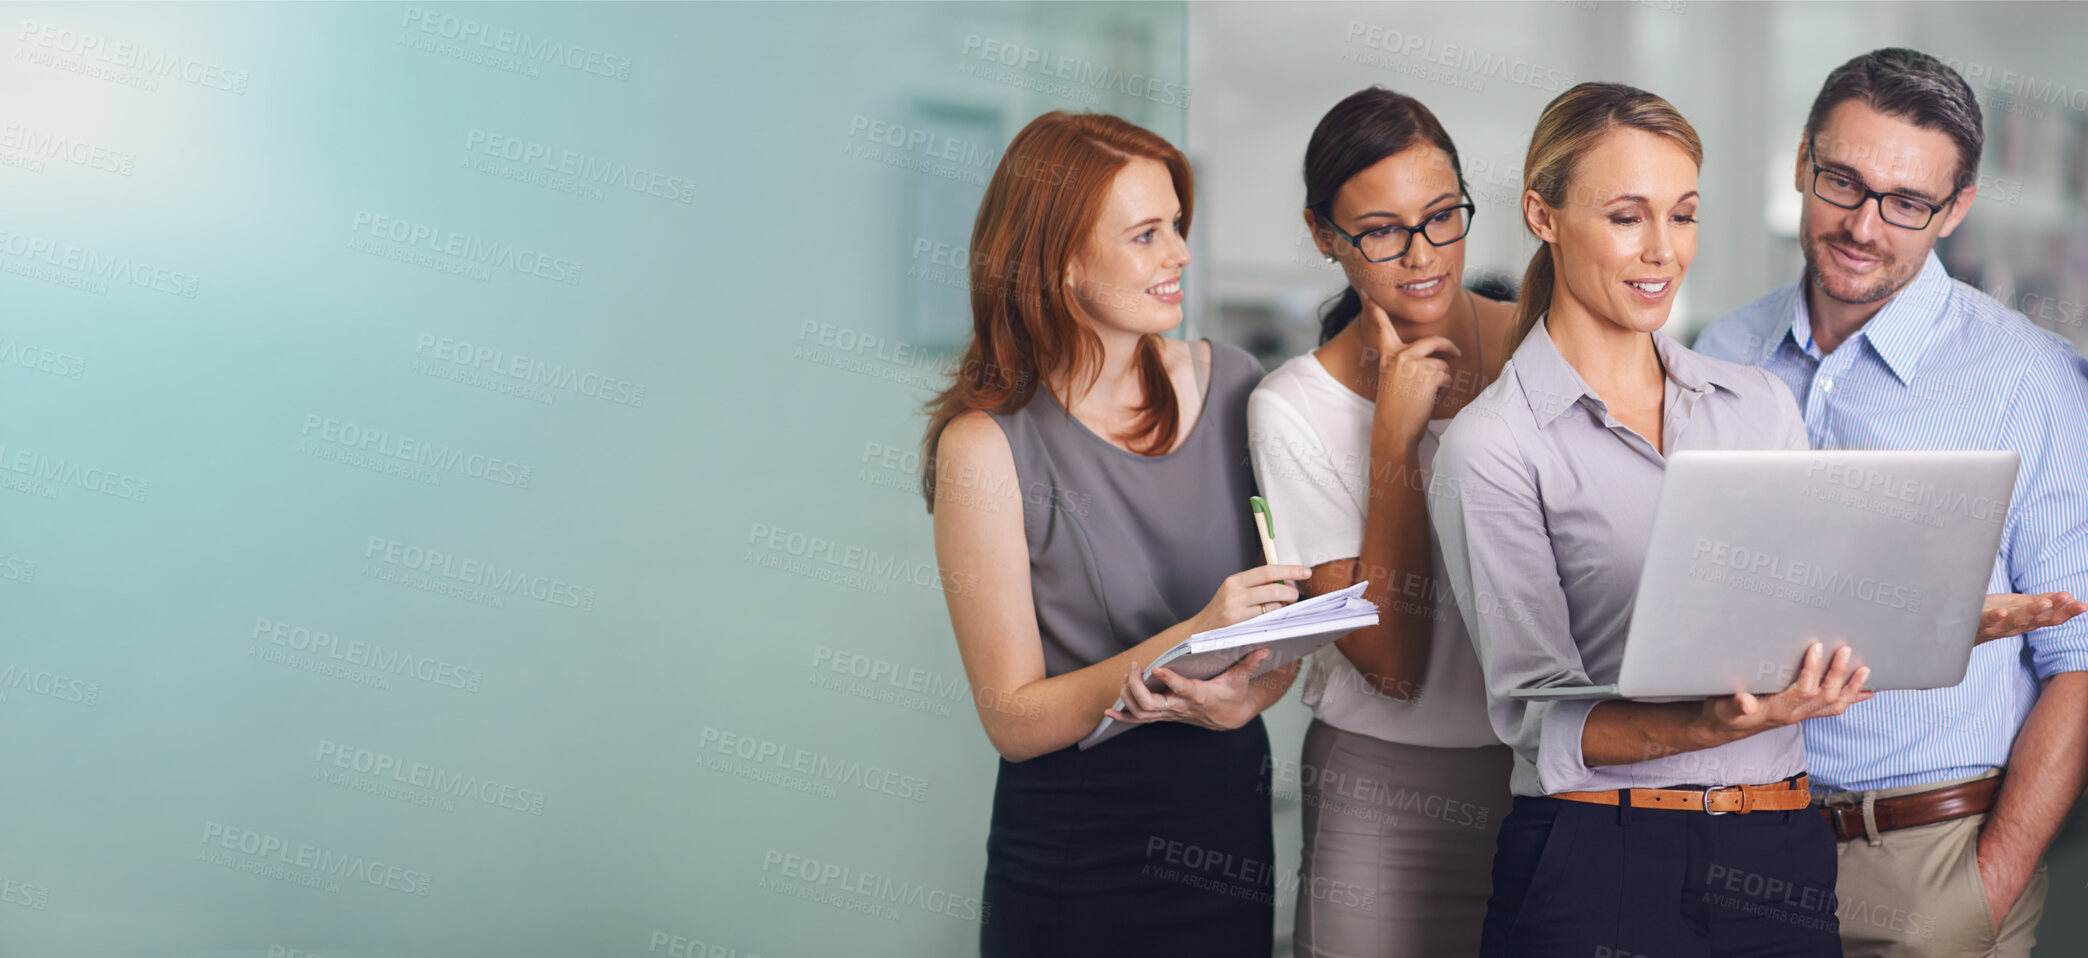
x=1915 y=87
x=1364 y=128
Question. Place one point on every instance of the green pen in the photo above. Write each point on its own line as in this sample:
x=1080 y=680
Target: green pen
x=1265 y=525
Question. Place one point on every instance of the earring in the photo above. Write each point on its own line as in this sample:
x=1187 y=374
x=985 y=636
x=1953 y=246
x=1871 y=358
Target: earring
x=1331 y=259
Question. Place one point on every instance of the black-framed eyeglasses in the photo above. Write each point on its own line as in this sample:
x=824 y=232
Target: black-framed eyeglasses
x=1899 y=209
x=1384 y=243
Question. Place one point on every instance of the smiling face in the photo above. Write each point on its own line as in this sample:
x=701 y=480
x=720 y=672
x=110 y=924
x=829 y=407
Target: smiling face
x=1408 y=188
x=1854 y=256
x=1626 y=232
x=1128 y=275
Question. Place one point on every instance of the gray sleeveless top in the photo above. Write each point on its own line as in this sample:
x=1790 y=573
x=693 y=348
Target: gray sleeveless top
x=1123 y=546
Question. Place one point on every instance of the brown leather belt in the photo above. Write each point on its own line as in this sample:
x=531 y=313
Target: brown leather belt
x=1907 y=811
x=1723 y=800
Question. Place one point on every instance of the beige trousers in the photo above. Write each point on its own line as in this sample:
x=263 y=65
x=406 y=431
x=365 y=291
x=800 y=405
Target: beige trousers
x=1916 y=892
x=1399 y=845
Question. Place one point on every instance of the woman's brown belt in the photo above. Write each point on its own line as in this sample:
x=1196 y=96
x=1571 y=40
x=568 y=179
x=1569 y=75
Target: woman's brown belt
x=1724 y=800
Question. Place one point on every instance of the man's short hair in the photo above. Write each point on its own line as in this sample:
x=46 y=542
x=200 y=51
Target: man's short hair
x=1912 y=86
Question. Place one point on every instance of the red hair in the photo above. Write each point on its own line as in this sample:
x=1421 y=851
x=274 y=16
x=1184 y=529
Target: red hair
x=1041 y=207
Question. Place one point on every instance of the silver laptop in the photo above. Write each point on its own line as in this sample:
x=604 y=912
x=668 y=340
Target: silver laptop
x=1756 y=554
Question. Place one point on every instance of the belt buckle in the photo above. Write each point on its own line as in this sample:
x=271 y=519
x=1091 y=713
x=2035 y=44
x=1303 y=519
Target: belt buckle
x=1833 y=812
x=1707 y=799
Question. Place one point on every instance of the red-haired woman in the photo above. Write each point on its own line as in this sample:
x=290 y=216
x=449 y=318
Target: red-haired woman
x=1093 y=477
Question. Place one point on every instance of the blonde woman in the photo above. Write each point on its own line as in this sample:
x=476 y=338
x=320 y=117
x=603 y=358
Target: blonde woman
x=1542 y=495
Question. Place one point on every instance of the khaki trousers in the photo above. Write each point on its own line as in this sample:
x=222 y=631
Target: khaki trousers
x=1399 y=845
x=1916 y=892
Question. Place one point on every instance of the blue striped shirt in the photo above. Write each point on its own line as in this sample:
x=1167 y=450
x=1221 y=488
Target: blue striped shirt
x=1944 y=366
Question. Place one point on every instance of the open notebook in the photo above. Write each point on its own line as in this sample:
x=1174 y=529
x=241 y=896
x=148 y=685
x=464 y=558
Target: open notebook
x=1289 y=633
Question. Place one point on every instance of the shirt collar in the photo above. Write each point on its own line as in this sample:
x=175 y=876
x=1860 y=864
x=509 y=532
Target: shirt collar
x=1899 y=332
x=1551 y=385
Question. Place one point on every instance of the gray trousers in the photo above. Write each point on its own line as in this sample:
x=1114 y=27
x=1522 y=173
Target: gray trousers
x=1917 y=893
x=1398 y=845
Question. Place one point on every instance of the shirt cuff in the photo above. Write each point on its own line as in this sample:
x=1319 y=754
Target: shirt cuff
x=1560 y=765
x=1318 y=551
x=2049 y=664
x=2060 y=648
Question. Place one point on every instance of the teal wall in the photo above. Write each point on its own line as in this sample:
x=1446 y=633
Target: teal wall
x=444 y=495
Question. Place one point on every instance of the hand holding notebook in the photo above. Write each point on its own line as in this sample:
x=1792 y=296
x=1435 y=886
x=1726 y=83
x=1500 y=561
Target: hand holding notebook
x=1289 y=633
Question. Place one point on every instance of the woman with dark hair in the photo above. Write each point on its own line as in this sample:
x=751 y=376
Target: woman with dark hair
x=1637 y=828
x=1402 y=780
x=1089 y=484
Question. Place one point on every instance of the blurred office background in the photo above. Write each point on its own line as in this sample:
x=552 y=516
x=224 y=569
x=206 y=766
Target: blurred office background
x=1743 y=73
x=460 y=459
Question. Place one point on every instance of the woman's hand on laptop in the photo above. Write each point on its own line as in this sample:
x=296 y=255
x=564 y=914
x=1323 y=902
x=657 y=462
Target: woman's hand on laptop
x=1825 y=686
x=2010 y=614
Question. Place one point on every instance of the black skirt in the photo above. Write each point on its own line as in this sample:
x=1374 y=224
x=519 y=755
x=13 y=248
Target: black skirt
x=1154 y=842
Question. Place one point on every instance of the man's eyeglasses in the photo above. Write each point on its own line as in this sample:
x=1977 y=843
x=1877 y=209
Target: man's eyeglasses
x=1391 y=242
x=1899 y=209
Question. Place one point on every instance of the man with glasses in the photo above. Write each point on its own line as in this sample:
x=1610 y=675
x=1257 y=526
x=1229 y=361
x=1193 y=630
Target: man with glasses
x=1943 y=800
